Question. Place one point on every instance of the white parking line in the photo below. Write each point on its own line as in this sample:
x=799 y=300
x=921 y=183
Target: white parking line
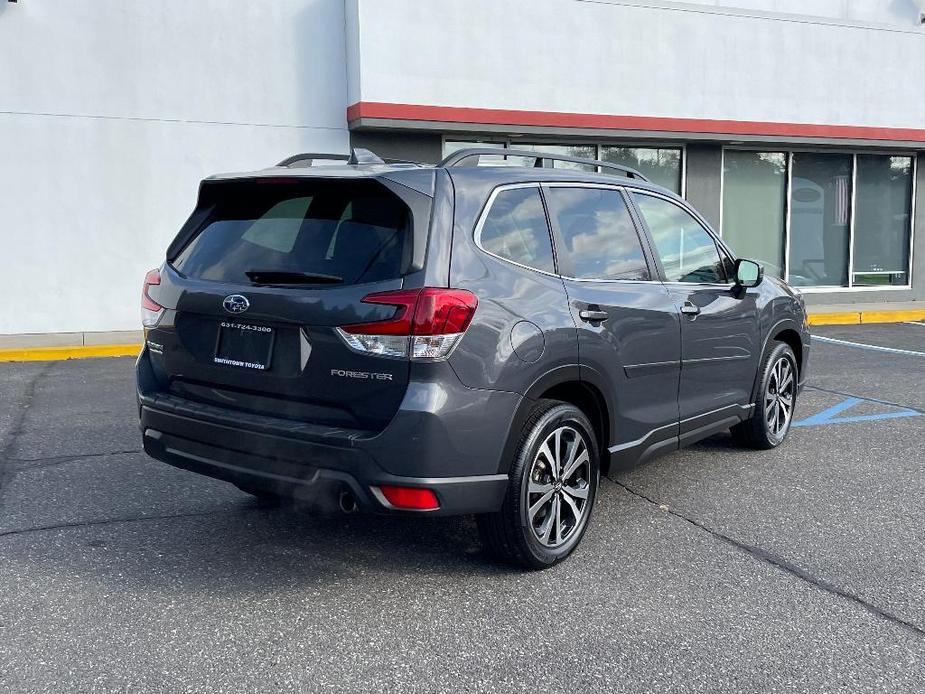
x=915 y=322
x=875 y=348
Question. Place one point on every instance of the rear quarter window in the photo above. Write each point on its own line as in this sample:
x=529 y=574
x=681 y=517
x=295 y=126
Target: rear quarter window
x=357 y=231
x=515 y=229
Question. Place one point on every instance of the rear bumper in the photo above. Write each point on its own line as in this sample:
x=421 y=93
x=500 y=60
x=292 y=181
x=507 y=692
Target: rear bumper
x=310 y=472
x=316 y=464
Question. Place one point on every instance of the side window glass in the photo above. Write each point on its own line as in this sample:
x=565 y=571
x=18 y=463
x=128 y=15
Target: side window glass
x=598 y=231
x=687 y=251
x=515 y=229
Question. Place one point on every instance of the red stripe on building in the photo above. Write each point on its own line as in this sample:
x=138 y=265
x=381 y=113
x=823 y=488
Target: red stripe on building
x=554 y=119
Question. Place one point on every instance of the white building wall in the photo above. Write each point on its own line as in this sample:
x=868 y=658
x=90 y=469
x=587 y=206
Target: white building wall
x=112 y=111
x=651 y=58
x=896 y=12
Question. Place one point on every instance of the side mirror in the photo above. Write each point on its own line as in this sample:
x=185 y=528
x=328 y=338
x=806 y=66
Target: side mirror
x=748 y=273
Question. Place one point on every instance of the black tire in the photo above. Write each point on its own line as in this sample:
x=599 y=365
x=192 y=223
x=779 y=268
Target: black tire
x=511 y=534
x=759 y=430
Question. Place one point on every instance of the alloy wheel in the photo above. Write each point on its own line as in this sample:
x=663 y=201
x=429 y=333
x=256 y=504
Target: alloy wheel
x=779 y=396
x=558 y=487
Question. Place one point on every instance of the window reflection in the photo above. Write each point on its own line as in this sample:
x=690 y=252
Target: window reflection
x=688 y=253
x=754 y=206
x=820 y=219
x=451 y=146
x=516 y=229
x=660 y=165
x=580 y=151
x=599 y=235
x=882 y=227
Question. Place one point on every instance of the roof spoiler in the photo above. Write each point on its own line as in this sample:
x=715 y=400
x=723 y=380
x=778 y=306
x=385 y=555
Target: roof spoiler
x=357 y=157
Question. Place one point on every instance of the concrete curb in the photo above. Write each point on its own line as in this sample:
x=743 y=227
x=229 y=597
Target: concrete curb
x=62 y=353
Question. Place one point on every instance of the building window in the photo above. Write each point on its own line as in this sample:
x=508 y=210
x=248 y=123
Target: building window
x=883 y=221
x=820 y=219
x=450 y=146
x=661 y=165
x=754 y=206
x=581 y=151
x=847 y=221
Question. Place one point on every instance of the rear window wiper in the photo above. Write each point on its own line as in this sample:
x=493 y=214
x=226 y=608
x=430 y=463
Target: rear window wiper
x=281 y=277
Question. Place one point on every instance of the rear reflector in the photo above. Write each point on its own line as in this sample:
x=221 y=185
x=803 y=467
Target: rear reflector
x=151 y=311
x=410 y=498
x=426 y=325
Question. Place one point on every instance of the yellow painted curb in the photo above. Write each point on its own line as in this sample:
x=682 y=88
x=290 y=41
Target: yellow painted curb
x=892 y=316
x=59 y=353
x=859 y=317
x=852 y=318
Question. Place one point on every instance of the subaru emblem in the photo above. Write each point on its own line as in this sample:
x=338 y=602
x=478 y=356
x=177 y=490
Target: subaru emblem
x=236 y=303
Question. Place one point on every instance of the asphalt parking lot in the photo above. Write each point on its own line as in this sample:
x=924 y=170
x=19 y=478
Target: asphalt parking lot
x=711 y=569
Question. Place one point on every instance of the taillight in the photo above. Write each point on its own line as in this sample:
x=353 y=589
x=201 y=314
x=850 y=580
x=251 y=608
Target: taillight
x=151 y=311
x=428 y=324
x=410 y=498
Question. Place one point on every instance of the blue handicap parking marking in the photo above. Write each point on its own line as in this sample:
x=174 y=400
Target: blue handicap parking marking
x=830 y=415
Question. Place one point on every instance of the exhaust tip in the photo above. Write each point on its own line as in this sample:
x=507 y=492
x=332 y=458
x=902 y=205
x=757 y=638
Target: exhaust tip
x=347 y=503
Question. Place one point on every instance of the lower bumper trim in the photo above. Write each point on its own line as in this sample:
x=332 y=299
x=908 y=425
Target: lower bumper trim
x=313 y=482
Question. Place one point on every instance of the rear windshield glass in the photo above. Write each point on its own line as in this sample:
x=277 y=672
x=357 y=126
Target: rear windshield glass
x=345 y=232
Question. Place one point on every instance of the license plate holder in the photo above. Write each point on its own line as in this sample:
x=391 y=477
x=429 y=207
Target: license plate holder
x=244 y=345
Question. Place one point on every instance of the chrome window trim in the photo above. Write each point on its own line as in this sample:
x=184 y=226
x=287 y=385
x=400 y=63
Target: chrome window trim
x=598 y=280
x=705 y=285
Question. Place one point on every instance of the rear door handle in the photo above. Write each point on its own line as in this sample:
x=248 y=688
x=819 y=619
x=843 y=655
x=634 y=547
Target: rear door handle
x=593 y=315
x=690 y=309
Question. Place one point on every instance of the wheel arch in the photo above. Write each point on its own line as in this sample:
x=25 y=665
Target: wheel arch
x=568 y=384
x=787 y=331
x=791 y=337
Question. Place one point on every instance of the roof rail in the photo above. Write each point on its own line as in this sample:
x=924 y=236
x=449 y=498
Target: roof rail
x=459 y=158
x=356 y=157
x=308 y=158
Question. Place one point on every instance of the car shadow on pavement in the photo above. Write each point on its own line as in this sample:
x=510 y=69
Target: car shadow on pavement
x=236 y=544
x=250 y=546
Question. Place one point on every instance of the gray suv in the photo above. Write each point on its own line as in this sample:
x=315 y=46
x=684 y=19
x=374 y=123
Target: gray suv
x=456 y=339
